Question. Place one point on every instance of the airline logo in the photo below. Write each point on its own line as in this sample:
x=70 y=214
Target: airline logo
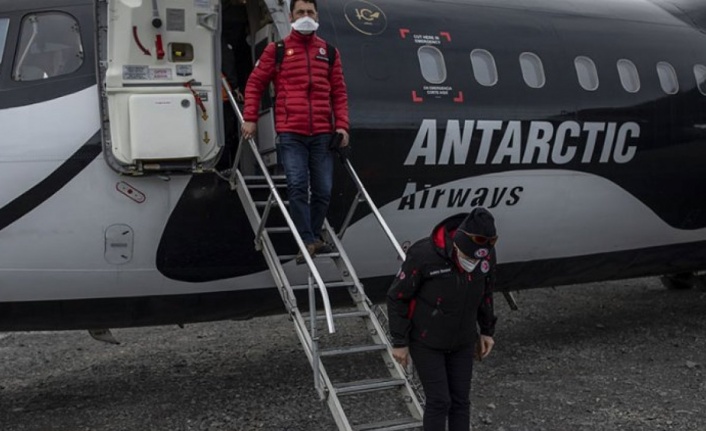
x=495 y=142
x=366 y=17
x=488 y=197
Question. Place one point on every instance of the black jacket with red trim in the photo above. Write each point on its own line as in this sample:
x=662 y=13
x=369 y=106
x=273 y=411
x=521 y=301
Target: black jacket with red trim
x=433 y=301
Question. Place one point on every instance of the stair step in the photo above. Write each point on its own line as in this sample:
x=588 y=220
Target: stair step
x=266 y=186
x=392 y=425
x=328 y=285
x=262 y=204
x=344 y=315
x=284 y=229
x=368 y=385
x=285 y=257
x=337 y=351
x=340 y=315
x=275 y=178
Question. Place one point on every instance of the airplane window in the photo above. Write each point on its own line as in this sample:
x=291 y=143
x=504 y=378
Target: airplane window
x=587 y=73
x=49 y=45
x=667 y=77
x=484 y=69
x=700 y=74
x=4 y=24
x=532 y=70
x=629 y=76
x=431 y=61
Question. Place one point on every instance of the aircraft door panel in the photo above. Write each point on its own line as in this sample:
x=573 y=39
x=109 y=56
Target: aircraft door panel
x=162 y=126
x=161 y=78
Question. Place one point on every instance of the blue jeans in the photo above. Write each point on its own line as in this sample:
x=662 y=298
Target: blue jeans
x=308 y=164
x=446 y=379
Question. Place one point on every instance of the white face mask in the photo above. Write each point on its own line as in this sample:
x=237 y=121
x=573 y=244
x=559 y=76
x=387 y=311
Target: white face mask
x=468 y=265
x=305 y=25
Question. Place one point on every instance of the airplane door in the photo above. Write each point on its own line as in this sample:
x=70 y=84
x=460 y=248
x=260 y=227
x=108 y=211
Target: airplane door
x=159 y=71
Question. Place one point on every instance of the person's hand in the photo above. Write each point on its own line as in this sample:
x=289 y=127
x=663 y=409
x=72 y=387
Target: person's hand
x=346 y=137
x=484 y=345
x=248 y=130
x=401 y=355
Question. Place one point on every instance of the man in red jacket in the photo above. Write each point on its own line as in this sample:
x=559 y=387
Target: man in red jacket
x=311 y=104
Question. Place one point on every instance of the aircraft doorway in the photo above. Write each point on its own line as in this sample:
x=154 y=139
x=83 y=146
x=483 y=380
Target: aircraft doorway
x=160 y=66
x=160 y=85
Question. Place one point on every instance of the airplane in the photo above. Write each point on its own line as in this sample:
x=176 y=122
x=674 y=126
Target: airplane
x=581 y=125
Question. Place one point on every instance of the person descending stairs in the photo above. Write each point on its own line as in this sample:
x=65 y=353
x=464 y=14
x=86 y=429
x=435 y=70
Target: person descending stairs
x=270 y=219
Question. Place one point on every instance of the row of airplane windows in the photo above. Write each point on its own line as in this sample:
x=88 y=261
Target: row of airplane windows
x=433 y=67
x=431 y=61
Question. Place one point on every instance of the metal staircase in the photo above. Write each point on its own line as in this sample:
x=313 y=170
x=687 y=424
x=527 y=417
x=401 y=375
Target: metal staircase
x=274 y=230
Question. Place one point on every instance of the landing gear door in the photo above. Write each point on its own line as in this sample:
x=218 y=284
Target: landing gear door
x=160 y=76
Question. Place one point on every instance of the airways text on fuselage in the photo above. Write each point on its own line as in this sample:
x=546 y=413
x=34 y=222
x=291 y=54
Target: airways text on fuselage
x=523 y=142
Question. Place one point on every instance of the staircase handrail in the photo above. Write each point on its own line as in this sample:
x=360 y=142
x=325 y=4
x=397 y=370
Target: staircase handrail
x=273 y=190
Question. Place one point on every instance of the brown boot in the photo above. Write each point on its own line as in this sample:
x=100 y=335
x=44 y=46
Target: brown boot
x=311 y=249
x=322 y=247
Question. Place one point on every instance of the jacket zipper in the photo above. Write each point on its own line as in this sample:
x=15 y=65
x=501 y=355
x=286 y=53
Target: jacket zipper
x=459 y=278
x=308 y=67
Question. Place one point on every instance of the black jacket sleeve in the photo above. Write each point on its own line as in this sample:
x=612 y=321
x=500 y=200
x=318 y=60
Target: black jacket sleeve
x=400 y=299
x=486 y=313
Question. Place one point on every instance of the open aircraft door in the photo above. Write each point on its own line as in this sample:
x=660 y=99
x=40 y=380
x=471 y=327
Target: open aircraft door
x=159 y=72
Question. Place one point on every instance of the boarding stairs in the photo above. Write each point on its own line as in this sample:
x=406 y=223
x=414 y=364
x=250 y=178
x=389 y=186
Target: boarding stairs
x=329 y=351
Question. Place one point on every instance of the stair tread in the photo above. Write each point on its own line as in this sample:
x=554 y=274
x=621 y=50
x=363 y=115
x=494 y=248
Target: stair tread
x=341 y=315
x=260 y=204
x=262 y=177
x=283 y=257
x=336 y=351
x=266 y=186
x=367 y=385
x=390 y=425
x=329 y=284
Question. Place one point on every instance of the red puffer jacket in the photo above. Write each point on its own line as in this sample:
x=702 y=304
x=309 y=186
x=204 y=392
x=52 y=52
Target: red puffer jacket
x=310 y=93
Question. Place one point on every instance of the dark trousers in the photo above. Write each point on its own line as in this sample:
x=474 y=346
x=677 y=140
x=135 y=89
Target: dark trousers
x=308 y=166
x=446 y=378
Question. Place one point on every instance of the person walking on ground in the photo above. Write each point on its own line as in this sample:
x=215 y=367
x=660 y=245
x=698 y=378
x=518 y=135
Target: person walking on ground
x=311 y=104
x=441 y=295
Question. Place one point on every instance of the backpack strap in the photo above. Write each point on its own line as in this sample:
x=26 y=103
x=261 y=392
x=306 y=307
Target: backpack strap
x=331 y=50
x=279 y=54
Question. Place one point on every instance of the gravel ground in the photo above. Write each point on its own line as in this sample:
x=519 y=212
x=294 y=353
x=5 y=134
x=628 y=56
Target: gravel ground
x=625 y=355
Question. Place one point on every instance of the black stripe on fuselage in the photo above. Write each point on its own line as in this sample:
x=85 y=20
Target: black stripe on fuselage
x=35 y=196
x=244 y=304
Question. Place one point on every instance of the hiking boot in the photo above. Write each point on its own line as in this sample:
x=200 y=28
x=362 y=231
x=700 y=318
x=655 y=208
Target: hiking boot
x=321 y=247
x=311 y=249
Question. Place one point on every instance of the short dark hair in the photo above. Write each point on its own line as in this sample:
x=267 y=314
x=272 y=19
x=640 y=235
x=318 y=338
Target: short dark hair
x=293 y=2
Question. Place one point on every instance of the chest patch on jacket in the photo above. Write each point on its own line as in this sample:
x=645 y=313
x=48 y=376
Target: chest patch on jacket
x=437 y=272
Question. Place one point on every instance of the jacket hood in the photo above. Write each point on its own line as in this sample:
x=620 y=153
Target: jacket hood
x=443 y=233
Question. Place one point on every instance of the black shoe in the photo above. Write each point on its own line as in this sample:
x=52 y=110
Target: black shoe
x=321 y=247
x=311 y=248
